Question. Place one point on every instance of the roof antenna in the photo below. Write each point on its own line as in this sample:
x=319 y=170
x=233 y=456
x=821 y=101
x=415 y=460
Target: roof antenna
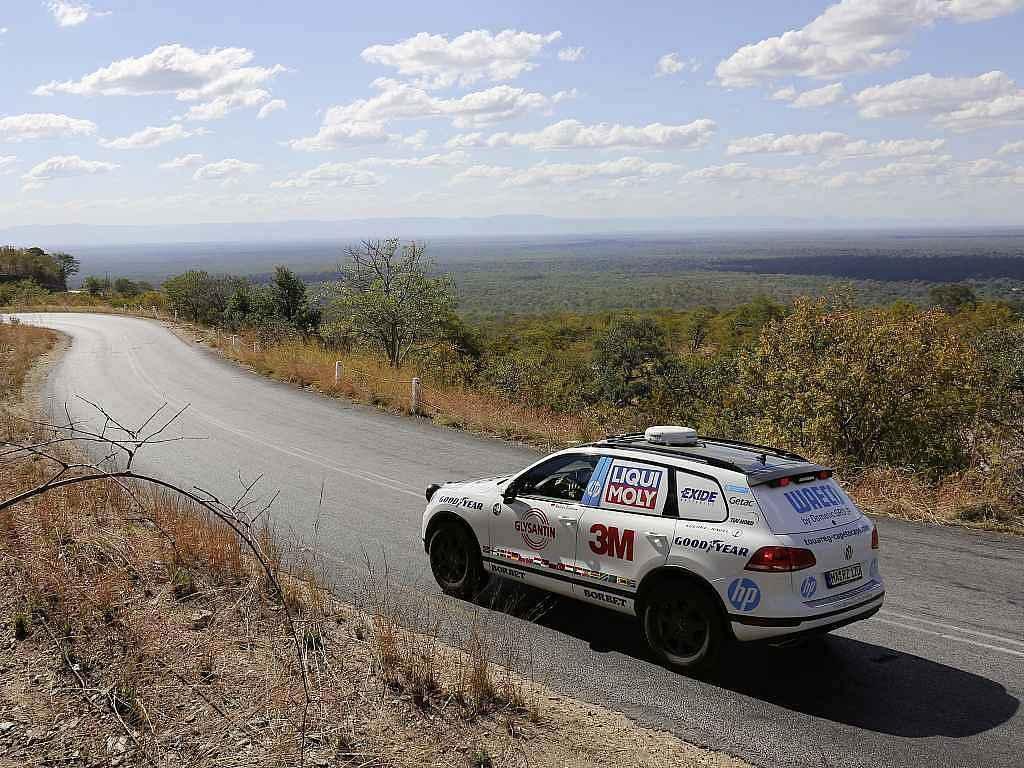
x=764 y=459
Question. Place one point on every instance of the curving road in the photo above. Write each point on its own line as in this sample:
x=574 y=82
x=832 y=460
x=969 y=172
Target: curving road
x=934 y=680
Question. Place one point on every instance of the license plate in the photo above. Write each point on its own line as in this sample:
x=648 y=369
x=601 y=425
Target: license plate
x=841 y=576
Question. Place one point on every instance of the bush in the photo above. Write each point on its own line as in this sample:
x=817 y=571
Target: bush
x=869 y=386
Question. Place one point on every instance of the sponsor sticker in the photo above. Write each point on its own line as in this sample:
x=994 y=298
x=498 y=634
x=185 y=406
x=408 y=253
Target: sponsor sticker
x=717 y=546
x=634 y=486
x=699 y=495
x=808 y=587
x=737 y=502
x=733 y=488
x=535 y=529
x=592 y=496
x=461 y=501
x=829 y=538
x=744 y=594
x=603 y=597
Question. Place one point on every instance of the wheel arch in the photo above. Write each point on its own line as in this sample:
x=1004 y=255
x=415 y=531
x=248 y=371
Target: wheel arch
x=677 y=573
x=446 y=516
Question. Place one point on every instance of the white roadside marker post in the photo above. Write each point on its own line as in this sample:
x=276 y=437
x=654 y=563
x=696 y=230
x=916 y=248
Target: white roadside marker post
x=337 y=371
x=414 y=399
x=234 y=341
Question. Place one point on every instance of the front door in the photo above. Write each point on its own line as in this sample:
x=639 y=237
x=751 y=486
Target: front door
x=533 y=537
x=626 y=530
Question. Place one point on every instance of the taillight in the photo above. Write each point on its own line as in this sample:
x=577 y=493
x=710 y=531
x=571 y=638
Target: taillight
x=779 y=482
x=825 y=474
x=874 y=538
x=778 y=559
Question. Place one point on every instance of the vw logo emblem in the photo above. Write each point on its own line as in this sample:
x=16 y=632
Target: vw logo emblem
x=849 y=552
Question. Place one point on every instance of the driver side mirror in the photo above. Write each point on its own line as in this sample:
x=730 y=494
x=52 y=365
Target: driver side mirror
x=509 y=493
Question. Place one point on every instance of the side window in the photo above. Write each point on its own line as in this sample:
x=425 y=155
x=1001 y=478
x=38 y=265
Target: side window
x=633 y=486
x=563 y=478
x=700 y=498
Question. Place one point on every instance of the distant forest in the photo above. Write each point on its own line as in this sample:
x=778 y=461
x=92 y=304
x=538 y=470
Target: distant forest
x=936 y=269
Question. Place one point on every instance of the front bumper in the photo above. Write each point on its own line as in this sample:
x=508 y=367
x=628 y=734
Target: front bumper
x=750 y=628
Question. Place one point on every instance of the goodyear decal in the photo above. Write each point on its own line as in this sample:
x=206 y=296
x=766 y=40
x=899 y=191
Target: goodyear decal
x=592 y=498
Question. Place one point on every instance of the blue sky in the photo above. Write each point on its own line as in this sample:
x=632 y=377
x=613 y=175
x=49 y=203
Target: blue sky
x=163 y=113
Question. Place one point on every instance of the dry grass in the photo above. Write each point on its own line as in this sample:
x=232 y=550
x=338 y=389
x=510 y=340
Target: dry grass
x=20 y=346
x=134 y=629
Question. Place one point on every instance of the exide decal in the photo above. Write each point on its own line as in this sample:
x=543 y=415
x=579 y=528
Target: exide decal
x=535 y=529
x=698 y=494
x=803 y=500
x=633 y=487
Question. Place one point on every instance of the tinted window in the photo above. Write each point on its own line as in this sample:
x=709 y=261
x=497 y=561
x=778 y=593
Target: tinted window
x=564 y=478
x=699 y=498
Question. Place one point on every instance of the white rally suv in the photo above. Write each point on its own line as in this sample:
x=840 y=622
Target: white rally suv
x=703 y=539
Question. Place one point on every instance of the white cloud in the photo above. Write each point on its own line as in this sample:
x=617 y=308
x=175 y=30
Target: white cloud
x=571 y=134
x=271 y=106
x=569 y=95
x=151 y=137
x=436 y=160
x=572 y=54
x=66 y=166
x=6 y=164
x=71 y=14
x=435 y=61
x=738 y=172
x=541 y=174
x=219 y=79
x=957 y=103
x=818 y=97
x=1012 y=148
x=363 y=121
x=331 y=175
x=673 y=63
x=183 y=161
x=784 y=94
x=45 y=125
x=849 y=36
x=227 y=170
x=831 y=144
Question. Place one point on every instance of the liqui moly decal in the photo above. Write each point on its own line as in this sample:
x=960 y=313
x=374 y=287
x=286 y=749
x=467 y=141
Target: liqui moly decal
x=634 y=486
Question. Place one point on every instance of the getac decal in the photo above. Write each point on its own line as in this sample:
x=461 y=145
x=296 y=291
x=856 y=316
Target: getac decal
x=535 y=529
x=714 y=545
x=604 y=598
x=737 y=502
x=744 y=594
x=634 y=487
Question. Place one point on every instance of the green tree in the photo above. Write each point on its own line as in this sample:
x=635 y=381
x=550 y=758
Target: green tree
x=125 y=287
x=67 y=266
x=952 y=297
x=393 y=303
x=92 y=285
x=630 y=359
x=199 y=296
x=291 y=300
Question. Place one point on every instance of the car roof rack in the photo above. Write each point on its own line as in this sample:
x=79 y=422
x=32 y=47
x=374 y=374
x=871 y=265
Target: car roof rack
x=757 y=471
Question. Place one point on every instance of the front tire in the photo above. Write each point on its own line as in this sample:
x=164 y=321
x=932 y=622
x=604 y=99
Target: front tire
x=683 y=627
x=455 y=561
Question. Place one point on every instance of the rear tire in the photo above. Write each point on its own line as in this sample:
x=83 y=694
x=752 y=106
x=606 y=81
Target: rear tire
x=455 y=561
x=683 y=627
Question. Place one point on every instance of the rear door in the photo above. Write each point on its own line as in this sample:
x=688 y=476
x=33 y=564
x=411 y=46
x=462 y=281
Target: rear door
x=804 y=507
x=626 y=530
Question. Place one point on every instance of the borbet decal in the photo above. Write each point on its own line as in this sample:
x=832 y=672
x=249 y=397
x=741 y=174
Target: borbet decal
x=535 y=529
x=635 y=487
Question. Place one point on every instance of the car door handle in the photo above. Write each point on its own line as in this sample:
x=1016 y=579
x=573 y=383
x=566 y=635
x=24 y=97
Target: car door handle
x=567 y=520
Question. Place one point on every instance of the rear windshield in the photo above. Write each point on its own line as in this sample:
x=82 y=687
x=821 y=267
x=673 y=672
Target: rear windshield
x=804 y=507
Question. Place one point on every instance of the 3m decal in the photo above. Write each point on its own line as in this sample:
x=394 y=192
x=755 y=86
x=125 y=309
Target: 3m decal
x=744 y=594
x=714 y=545
x=535 y=529
x=634 y=487
x=610 y=542
x=592 y=497
x=808 y=587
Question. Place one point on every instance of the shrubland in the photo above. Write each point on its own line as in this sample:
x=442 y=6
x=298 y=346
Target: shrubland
x=918 y=404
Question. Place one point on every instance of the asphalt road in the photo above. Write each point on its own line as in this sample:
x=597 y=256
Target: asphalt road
x=935 y=679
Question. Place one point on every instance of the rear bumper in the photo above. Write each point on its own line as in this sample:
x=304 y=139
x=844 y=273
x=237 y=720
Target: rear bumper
x=750 y=628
